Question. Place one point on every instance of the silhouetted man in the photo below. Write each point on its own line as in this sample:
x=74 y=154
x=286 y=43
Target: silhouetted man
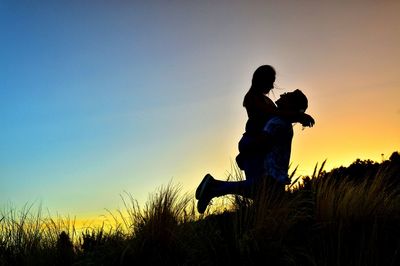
x=268 y=166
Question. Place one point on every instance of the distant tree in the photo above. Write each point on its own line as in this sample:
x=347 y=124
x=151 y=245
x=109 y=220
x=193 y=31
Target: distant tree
x=360 y=170
x=395 y=157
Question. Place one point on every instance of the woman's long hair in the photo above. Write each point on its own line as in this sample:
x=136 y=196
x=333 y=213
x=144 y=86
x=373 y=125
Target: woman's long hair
x=263 y=75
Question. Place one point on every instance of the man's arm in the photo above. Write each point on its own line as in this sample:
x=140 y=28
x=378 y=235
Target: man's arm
x=267 y=108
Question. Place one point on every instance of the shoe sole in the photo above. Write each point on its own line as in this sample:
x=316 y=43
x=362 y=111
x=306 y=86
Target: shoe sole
x=200 y=189
x=201 y=206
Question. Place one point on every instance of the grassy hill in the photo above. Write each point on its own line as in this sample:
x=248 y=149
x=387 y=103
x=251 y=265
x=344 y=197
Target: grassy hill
x=348 y=216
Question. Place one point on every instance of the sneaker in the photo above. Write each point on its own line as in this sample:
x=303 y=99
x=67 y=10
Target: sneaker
x=203 y=193
x=287 y=181
x=207 y=178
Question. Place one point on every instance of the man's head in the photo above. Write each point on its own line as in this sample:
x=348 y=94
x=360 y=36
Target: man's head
x=294 y=101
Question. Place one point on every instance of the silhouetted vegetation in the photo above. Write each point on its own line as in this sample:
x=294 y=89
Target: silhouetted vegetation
x=347 y=216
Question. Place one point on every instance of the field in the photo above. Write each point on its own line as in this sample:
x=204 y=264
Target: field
x=348 y=216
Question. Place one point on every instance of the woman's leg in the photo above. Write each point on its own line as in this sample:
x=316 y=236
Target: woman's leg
x=210 y=187
x=253 y=168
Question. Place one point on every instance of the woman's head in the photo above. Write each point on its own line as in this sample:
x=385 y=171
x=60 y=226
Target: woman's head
x=263 y=79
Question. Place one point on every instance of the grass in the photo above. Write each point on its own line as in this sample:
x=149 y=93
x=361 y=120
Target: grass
x=328 y=219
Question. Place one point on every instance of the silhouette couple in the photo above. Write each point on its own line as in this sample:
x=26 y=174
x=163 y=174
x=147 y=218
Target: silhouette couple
x=265 y=147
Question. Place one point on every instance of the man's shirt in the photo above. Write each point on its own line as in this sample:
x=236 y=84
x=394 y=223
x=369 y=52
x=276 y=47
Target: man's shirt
x=276 y=162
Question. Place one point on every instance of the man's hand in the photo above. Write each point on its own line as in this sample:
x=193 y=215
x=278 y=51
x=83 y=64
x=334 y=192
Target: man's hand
x=307 y=121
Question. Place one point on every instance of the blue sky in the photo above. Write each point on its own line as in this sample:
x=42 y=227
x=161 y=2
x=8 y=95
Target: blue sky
x=102 y=97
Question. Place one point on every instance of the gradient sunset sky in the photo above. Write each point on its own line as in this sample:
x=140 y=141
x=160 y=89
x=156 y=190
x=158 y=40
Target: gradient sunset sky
x=102 y=97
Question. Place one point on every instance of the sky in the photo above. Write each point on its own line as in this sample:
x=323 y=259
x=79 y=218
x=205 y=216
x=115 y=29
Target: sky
x=99 y=98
